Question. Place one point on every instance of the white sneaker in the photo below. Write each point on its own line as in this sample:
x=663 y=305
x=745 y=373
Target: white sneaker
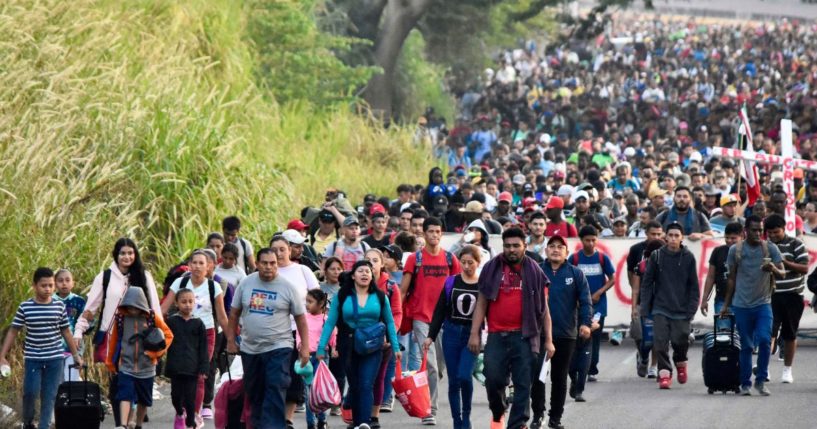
x=787 y=377
x=652 y=372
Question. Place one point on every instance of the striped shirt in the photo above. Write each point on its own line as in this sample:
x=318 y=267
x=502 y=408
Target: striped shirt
x=43 y=323
x=792 y=250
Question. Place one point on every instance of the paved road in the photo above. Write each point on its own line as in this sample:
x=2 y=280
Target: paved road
x=622 y=400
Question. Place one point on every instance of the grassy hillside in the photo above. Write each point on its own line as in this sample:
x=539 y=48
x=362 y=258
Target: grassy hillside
x=143 y=118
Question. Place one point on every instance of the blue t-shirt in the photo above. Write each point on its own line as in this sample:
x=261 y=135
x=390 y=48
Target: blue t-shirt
x=596 y=274
x=74 y=304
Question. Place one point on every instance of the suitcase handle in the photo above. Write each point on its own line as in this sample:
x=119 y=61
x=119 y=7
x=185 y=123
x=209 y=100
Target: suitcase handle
x=732 y=321
x=85 y=376
x=225 y=355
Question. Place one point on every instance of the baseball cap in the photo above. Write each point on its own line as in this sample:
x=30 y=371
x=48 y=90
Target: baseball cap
x=657 y=192
x=519 y=179
x=558 y=174
x=293 y=236
x=376 y=208
x=394 y=252
x=798 y=173
x=506 y=197
x=557 y=238
x=619 y=219
x=297 y=225
x=564 y=190
x=351 y=220
x=555 y=203
x=729 y=199
x=326 y=216
x=473 y=206
x=581 y=194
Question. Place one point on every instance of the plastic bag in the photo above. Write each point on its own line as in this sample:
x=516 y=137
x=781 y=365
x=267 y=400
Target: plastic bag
x=413 y=392
x=324 y=392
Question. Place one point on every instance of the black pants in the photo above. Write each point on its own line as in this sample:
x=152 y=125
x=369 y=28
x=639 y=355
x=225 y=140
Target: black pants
x=113 y=383
x=215 y=364
x=183 y=396
x=337 y=366
x=670 y=331
x=559 y=366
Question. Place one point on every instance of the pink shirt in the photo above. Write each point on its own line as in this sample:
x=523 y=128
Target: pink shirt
x=315 y=324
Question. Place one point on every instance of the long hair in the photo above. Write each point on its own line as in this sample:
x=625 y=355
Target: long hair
x=347 y=283
x=136 y=272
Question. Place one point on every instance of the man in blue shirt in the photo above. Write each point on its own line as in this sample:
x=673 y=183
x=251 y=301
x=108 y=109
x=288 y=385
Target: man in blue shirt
x=600 y=274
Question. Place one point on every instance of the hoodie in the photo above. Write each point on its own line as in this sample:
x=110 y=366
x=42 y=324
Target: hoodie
x=484 y=247
x=125 y=350
x=670 y=285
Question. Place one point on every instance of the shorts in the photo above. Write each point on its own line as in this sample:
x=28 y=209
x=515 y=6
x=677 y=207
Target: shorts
x=296 y=392
x=787 y=309
x=134 y=390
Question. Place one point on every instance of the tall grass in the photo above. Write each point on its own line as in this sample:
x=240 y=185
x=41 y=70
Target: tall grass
x=143 y=118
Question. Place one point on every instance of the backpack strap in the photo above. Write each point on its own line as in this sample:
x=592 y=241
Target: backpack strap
x=449 y=259
x=449 y=287
x=575 y=259
x=246 y=256
x=211 y=288
x=106 y=280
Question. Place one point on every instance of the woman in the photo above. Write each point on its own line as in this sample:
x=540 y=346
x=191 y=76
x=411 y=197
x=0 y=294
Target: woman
x=107 y=291
x=332 y=269
x=359 y=305
x=393 y=262
x=382 y=383
x=478 y=235
x=215 y=241
x=454 y=311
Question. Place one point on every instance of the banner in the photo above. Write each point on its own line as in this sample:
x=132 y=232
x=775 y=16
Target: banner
x=618 y=297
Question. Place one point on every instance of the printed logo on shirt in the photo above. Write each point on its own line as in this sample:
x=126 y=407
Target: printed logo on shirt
x=261 y=301
x=569 y=281
x=435 y=270
x=465 y=302
x=590 y=269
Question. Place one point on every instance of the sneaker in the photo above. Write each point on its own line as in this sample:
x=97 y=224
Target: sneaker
x=641 y=367
x=616 y=337
x=387 y=406
x=199 y=422
x=682 y=372
x=572 y=391
x=178 y=422
x=537 y=422
x=364 y=426
x=579 y=398
x=335 y=411
x=754 y=372
x=207 y=413
x=787 y=377
x=652 y=372
x=498 y=425
x=290 y=425
x=555 y=424
x=300 y=408
x=745 y=391
x=762 y=389
x=429 y=421
x=321 y=425
x=664 y=379
x=592 y=378
x=374 y=423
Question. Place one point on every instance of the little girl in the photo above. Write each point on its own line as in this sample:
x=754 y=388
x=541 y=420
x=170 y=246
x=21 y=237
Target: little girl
x=315 y=319
x=186 y=359
x=74 y=304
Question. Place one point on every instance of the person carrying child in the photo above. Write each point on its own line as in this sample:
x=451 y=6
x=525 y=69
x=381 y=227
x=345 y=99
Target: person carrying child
x=134 y=347
x=186 y=359
x=316 y=300
x=46 y=327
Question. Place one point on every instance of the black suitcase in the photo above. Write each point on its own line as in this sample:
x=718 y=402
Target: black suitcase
x=721 y=357
x=78 y=405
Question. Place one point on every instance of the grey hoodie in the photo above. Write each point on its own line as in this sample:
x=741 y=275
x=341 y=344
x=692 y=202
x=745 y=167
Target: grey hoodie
x=133 y=360
x=670 y=285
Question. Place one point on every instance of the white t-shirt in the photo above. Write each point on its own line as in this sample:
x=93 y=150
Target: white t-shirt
x=203 y=309
x=233 y=275
x=301 y=278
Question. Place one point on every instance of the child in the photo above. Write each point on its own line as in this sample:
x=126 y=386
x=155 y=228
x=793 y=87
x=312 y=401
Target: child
x=46 y=328
x=229 y=270
x=128 y=356
x=186 y=359
x=315 y=319
x=74 y=304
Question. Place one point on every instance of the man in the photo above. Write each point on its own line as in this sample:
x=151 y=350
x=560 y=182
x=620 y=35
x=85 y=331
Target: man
x=623 y=181
x=670 y=294
x=536 y=228
x=378 y=238
x=503 y=206
x=418 y=219
x=600 y=274
x=777 y=204
x=512 y=296
x=751 y=265
x=787 y=300
x=582 y=208
x=810 y=215
x=568 y=295
x=302 y=279
x=296 y=245
x=404 y=221
x=264 y=302
x=327 y=232
x=635 y=273
x=657 y=199
x=403 y=197
x=231 y=227
x=556 y=225
x=645 y=216
x=423 y=280
x=695 y=224
x=631 y=204
x=348 y=249
x=729 y=205
x=620 y=227
x=718 y=272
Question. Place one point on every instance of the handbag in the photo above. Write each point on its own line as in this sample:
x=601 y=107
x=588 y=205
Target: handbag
x=371 y=338
x=153 y=339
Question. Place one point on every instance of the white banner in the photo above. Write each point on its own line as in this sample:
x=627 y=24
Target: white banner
x=618 y=297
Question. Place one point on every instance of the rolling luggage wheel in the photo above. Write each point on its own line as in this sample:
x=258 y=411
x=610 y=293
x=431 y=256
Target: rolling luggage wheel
x=710 y=391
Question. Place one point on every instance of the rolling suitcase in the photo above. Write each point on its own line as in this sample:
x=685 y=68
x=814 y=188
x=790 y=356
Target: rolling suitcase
x=721 y=357
x=79 y=404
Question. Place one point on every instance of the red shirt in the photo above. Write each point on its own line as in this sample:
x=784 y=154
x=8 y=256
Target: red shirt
x=505 y=312
x=563 y=229
x=429 y=283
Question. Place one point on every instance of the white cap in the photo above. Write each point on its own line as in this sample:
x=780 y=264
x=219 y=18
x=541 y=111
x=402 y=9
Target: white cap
x=404 y=207
x=581 y=194
x=629 y=152
x=564 y=190
x=292 y=236
x=545 y=138
x=696 y=157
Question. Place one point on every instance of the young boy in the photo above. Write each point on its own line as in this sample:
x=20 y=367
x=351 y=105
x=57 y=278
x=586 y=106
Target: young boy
x=186 y=359
x=46 y=328
x=129 y=356
x=74 y=304
x=231 y=227
x=718 y=273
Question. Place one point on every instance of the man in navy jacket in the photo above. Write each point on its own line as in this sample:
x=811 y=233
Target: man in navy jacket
x=570 y=307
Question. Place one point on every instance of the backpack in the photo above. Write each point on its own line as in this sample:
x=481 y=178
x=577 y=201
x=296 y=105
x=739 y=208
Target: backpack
x=575 y=259
x=244 y=251
x=174 y=273
x=211 y=288
x=334 y=246
x=764 y=245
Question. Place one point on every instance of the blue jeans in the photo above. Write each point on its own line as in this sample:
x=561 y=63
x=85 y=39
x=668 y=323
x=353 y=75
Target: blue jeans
x=580 y=365
x=596 y=342
x=459 y=362
x=754 y=325
x=310 y=416
x=509 y=352
x=412 y=358
x=361 y=373
x=388 y=390
x=266 y=378
x=718 y=305
x=41 y=380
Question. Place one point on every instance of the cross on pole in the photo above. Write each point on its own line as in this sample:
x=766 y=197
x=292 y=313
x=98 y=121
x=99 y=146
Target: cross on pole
x=788 y=162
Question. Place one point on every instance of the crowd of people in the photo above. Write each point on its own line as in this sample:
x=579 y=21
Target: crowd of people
x=609 y=139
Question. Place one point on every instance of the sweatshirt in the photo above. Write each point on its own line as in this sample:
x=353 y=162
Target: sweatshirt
x=568 y=297
x=670 y=285
x=188 y=353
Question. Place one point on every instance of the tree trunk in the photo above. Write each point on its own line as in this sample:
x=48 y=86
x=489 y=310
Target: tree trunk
x=399 y=18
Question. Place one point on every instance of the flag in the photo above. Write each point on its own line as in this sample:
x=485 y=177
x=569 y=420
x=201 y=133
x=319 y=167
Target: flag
x=748 y=168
